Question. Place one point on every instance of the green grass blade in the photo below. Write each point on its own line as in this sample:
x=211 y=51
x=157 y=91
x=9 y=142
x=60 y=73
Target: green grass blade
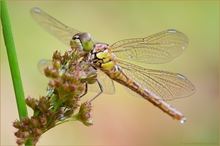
x=13 y=62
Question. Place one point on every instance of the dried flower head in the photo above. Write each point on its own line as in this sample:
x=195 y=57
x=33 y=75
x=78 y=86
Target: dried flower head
x=69 y=75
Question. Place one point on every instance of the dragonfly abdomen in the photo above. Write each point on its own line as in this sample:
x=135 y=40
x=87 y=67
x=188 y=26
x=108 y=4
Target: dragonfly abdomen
x=103 y=58
x=118 y=75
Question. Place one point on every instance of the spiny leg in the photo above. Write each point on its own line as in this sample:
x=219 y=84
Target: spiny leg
x=101 y=90
x=86 y=90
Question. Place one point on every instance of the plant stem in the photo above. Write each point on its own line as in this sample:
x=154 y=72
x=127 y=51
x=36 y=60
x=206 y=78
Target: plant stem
x=13 y=63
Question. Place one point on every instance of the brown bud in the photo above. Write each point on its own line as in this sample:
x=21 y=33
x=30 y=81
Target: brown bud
x=56 y=64
x=20 y=141
x=25 y=120
x=54 y=73
x=31 y=102
x=58 y=82
x=51 y=83
x=34 y=122
x=56 y=55
x=48 y=71
x=16 y=124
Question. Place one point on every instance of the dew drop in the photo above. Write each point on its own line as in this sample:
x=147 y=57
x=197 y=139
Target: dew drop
x=183 y=47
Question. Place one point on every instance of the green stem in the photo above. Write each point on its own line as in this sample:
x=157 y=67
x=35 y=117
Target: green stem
x=13 y=63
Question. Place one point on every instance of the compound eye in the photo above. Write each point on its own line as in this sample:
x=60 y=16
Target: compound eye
x=85 y=37
x=76 y=36
x=87 y=42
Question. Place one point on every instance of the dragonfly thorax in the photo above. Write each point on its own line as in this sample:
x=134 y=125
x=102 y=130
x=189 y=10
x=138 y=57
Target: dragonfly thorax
x=103 y=58
x=82 y=41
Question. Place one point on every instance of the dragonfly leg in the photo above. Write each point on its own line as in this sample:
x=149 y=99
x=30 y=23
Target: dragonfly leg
x=84 y=91
x=101 y=90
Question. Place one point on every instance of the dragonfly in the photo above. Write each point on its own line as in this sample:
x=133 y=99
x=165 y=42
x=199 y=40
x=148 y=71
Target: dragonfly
x=113 y=62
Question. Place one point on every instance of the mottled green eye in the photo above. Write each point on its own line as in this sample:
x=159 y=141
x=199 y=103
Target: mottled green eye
x=86 y=41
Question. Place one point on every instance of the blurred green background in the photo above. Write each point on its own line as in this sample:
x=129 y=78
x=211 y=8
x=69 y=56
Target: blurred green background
x=121 y=119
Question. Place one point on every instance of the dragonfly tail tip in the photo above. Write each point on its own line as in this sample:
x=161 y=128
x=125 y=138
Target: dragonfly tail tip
x=183 y=120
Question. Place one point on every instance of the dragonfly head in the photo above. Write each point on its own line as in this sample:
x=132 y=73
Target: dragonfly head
x=83 y=41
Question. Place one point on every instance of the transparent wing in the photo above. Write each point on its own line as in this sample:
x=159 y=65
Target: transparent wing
x=42 y=64
x=53 y=26
x=158 y=48
x=107 y=83
x=165 y=85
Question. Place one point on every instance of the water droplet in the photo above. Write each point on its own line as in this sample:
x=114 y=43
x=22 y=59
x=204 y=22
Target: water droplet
x=183 y=47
